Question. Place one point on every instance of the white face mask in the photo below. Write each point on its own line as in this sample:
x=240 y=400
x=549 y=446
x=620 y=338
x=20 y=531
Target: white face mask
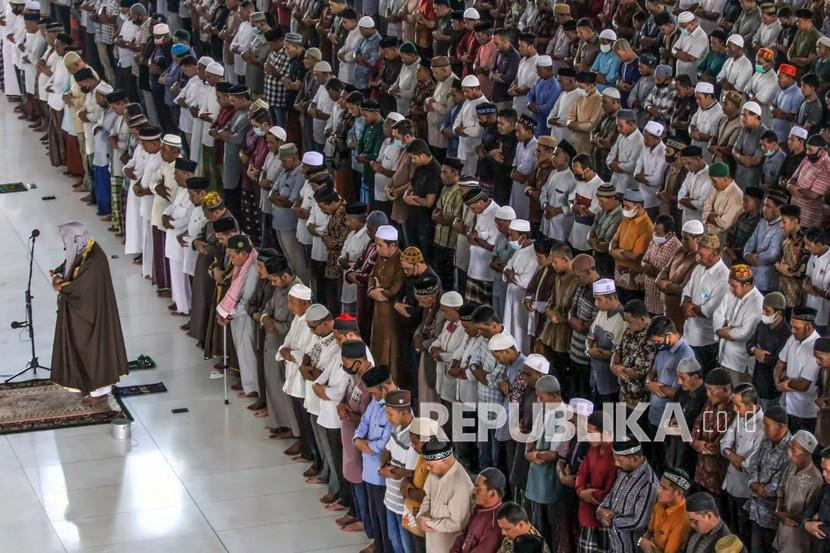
x=605 y=48
x=514 y=245
x=659 y=240
x=629 y=213
x=767 y=319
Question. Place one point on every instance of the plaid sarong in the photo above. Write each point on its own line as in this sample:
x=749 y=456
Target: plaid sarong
x=117 y=220
x=479 y=291
x=593 y=540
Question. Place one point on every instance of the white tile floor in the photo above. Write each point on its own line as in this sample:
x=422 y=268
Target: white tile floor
x=206 y=481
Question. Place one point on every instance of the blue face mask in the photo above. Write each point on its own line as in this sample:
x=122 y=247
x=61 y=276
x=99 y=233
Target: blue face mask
x=514 y=245
x=759 y=68
x=684 y=31
x=769 y=154
x=259 y=132
x=257 y=31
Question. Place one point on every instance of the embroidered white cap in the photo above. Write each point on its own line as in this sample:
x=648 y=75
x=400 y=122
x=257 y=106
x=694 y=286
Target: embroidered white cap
x=451 y=299
x=313 y=159
x=693 y=226
x=608 y=34
x=501 y=342
x=278 y=132
x=470 y=81
x=538 y=363
x=471 y=13
x=520 y=225
x=388 y=233
x=301 y=292
x=366 y=22
x=505 y=213
x=654 y=128
x=604 y=286
x=705 y=88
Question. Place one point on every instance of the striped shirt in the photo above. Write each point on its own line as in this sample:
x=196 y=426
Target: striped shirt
x=399 y=446
x=631 y=499
x=449 y=204
x=582 y=308
x=481 y=356
x=813 y=176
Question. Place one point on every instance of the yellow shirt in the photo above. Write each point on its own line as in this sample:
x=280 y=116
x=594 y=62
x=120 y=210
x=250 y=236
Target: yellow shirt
x=633 y=235
x=669 y=526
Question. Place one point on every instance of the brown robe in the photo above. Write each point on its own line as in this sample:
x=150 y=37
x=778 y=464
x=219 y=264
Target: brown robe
x=88 y=350
x=385 y=339
x=557 y=336
x=677 y=272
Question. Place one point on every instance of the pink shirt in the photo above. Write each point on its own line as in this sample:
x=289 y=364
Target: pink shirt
x=815 y=177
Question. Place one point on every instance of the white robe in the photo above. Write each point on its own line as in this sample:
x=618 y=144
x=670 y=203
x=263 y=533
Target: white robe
x=526 y=76
x=405 y=86
x=133 y=220
x=556 y=192
x=561 y=109
x=195 y=223
x=298 y=341
x=524 y=265
x=179 y=213
x=9 y=76
x=584 y=192
x=346 y=70
x=468 y=119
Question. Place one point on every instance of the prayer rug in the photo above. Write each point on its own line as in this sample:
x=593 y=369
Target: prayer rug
x=139 y=390
x=43 y=405
x=13 y=187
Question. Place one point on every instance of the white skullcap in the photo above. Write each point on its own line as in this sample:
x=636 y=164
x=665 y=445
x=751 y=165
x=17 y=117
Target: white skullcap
x=519 y=225
x=608 y=34
x=654 y=128
x=693 y=226
x=501 y=342
x=314 y=159
x=388 y=233
x=172 y=140
x=736 y=39
x=215 y=68
x=317 y=312
x=470 y=81
x=471 y=13
x=544 y=61
x=806 y=440
x=686 y=17
x=451 y=299
x=205 y=60
x=581 y=406
x=366 y=22
x=824 y=41
x=322 y=67
x=301 y=292
x=538 y=363
x=103 y=88
x=752 y=107
x=799 y=132
x=395 y=116
x=161 y=29
x=32 y=5
x=278 y=132
x=705 y=88
x=604 y=286
x=505 y=213
x=611 y=92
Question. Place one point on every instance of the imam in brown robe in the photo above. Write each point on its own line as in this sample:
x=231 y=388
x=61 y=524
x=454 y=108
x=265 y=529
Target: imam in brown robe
x=385 y=340
x=88 y=352
x=204 y=287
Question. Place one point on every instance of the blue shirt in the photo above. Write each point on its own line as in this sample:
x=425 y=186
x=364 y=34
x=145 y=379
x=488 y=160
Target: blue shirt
x=369 y=48
x=665 y=364
x=608 y=64
x=511 y=372
x=287 y=185
x=375 y=428
x=629 y=74
x=452 y=142
x=545 y=93
x=765 y=242
x=788 y=100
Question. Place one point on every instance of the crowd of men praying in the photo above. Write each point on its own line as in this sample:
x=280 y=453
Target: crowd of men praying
x=366 y=209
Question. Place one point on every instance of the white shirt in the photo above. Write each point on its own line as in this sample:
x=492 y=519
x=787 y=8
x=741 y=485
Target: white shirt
x=763 y=87
x=652 y=163
x=208 y=104
x=767 y=35
x=712 y=6
x=526 y=76
x=336 y=380
x=390 y=151
x=319 y=221
x=298 y=340
x=706 y=288
x=524 y=265
x=743 y=437
x=148 y=181
x=242 y=40
x=346 y=71
x=179 y=212
x=435 y=116
x=580 y=230
x=487 y=231
x=468 y=118
x=742 y=316
x=698 y=187
x=738 y=72
x=449 y=342
x=625 y=151
x=706 y=121
x=189 y=93
x=556 y=192
x=695 y=44
x=818 y=269
x=561 y=109
x=58 y=82
x=801 y=363
x=405 y=86
x=127 y=33
x=353 y=246
x=324 y=104
x=306 y=200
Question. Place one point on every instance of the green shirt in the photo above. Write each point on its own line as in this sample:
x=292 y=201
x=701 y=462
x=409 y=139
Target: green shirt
x=821 y=67
x=369 y=145
x=449 y=204
x=804 y=42
x=712 y=63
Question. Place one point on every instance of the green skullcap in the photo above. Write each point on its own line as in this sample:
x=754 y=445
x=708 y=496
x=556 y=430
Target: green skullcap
x=719 y=169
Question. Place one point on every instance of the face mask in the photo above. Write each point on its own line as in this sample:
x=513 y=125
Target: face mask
x=769 y=153
x=759 y=68
x=671 y=159
x=659 y=240
x=86 y=89
x=123 y=16
x=605 y=48
x=257 y=31
x=579 y=176
x=684 y=32
x=349 y=370
x=259 y=132
x=629 y=213
x=514 y=245
x=813 y=157
x=767 y=319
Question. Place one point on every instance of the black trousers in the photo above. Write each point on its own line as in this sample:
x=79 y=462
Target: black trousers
x=308 y=447
x=707 y=356
x=377 y=518
x=443 y=261
x=800 y=423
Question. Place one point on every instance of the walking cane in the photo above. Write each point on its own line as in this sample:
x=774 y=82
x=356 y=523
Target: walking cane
x=225 y=360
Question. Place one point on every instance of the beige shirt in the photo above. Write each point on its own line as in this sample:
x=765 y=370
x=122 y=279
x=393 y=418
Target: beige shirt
x=165 y=173
x=448 y=504
x=585 y=113
x=726 y=205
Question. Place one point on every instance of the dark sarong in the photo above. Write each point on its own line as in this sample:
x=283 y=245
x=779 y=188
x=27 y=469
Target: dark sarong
x=57 y=147
x=74 y=159
x=204 y=288
x=161 y=267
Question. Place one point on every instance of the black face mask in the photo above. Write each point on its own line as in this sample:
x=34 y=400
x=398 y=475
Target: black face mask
x=671 y=159
x=350 y=370
x=86 y=89
x=813 y=157
x=579 y=177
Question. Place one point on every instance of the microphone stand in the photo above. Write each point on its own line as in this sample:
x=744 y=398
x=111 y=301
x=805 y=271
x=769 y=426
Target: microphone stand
x=33 y=365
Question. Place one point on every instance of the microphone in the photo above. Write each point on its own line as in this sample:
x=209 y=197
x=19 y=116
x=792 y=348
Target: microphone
x=35 y=233
x=19 y=324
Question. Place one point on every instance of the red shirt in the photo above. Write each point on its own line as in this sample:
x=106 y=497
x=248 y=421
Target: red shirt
x=597 y=472
x=467 y=46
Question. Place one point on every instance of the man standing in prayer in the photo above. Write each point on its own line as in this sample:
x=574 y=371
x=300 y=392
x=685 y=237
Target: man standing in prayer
x=384 y=286
x=88 y=353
